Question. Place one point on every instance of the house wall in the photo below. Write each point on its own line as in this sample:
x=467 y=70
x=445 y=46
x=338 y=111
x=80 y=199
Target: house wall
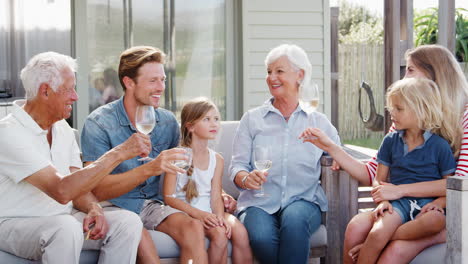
x=269 y=23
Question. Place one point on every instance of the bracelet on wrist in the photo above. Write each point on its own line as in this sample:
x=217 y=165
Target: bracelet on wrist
x=243 y=181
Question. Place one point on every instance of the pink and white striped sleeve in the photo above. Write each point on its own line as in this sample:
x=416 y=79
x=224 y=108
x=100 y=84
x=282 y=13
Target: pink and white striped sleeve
x=462 y=165
x=372 y=164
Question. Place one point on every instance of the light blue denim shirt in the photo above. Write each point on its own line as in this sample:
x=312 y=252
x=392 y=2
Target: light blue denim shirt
x=295 y=171
x=109 y=126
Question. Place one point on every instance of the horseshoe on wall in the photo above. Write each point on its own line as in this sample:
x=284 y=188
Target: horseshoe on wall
x=375 y=121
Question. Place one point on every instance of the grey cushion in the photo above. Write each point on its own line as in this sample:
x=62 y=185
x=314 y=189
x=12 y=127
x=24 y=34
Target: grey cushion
x=434 y=254
x=86 y=257
x=167 y=248
x=223 y=145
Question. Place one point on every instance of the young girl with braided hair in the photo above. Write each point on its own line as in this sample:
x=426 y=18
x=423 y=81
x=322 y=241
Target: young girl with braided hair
x=198 y=193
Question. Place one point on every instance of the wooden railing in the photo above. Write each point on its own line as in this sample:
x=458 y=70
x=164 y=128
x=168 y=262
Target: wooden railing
x=342 y=194
x=457 y=219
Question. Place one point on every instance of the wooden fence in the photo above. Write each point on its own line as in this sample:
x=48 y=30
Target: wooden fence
x=357 y=63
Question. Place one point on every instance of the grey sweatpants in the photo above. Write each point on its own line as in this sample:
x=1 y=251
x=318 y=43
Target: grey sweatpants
x=60 y=239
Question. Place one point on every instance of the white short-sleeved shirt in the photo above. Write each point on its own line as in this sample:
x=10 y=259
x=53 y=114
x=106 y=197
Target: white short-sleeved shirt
x=24 y=150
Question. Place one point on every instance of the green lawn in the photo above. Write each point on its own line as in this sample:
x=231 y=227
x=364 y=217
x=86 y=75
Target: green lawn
x=373 y=143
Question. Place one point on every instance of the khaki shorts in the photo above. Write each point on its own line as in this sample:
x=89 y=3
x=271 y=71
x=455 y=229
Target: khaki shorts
x=154 y=212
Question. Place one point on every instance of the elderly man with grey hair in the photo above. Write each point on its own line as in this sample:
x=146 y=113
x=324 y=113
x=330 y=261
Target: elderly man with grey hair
x=41 y=175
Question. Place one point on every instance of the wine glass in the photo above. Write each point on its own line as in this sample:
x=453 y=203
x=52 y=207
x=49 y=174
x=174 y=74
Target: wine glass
x=310 y=96
x=262 y=159
x=145 y=121
x=183 y=164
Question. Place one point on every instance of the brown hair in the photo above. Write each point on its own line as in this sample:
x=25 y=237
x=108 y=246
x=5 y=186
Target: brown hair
x=133 y=58
x=437 y=63
x=193 y=111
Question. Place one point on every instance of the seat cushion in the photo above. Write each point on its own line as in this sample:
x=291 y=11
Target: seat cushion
x=167 y=248
x=86 y=257
x=319 y=237
x=223 y=145
x=434 y=254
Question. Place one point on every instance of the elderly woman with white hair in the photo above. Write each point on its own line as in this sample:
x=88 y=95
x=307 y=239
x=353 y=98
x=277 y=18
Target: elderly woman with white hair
x=281 y=221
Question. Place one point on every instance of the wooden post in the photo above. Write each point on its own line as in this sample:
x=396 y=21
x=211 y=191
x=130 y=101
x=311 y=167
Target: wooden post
x=406 y=33
x=334 y=12
x=342 y=195
x=391 y=47
x=457 y=217
x=398 y=29
x=446 y=32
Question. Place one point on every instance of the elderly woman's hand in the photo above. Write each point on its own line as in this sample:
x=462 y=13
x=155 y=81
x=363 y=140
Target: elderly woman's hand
x=255 y=179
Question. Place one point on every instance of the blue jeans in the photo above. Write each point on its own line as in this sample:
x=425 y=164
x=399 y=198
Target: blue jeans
x=282 y=237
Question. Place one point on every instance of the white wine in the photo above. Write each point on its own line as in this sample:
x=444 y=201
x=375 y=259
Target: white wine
x=314 y=103
x=145 y=128
x=263 y=165
x=183 y=164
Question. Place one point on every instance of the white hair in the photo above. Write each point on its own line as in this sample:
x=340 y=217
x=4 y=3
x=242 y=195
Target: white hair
x=47 y=68
x=298 y=59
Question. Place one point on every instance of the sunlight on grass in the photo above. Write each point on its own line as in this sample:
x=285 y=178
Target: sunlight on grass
x=373 y=143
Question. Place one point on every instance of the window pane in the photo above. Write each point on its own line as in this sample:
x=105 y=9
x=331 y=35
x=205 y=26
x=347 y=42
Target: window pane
x=28 y=27
x=105 y=43
x=148 y=23
x=200 y=51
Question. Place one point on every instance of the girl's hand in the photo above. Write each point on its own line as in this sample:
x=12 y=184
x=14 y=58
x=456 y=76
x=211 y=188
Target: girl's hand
x=432 y=207
x=386 y=192
x=335 y=166
x=255 y=179
x=318 y=138
x=210 y=220
x=226 y=225
x=381 y=208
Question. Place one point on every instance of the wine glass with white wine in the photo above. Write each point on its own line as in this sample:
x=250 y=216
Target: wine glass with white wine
x=183 y=164
x=310 y=96
x=262 y=159
x=145 y=121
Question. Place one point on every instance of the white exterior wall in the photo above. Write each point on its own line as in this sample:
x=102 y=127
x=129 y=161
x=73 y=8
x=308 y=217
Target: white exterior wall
x=269 y=23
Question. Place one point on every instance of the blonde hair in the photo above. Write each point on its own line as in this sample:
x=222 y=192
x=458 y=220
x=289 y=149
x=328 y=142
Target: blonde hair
x=438 y=64
x=422 y=96
x=192 y=112
x=135 y=57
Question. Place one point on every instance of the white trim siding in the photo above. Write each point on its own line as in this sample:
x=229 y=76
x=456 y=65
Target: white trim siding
x=269 y=23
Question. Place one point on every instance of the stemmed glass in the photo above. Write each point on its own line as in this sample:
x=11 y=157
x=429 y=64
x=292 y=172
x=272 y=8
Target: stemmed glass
x=310 y=96
x=145 y=121
x=183 y=164
x=262 y=159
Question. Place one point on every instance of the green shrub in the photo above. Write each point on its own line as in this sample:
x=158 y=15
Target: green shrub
x=426 y=28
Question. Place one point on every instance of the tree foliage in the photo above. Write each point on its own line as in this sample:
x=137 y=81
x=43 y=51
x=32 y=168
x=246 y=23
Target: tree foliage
x=358 y=25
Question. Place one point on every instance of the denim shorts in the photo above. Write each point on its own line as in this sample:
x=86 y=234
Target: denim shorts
x=409 y=207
